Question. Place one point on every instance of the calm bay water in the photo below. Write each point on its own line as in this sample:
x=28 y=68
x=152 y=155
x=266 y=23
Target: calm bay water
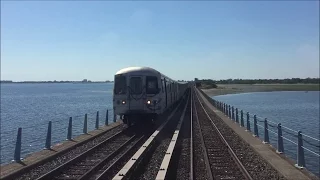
x=295 y=110
x=32 y=106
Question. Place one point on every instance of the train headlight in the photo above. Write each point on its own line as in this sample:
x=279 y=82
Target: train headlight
x=123 y=102
x=148 y=102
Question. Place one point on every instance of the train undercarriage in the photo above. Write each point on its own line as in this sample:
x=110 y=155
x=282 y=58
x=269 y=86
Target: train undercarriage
x=145 y=119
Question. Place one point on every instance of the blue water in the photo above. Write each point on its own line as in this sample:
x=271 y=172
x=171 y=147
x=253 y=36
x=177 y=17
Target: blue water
x=32 y=106
x=295 y=110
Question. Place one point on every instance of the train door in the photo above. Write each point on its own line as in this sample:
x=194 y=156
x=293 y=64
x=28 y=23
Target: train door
x=165 y=91
x=136 y=93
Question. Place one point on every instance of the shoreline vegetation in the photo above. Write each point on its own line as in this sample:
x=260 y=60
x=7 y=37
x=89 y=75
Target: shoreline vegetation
x=83 y=81
x=20 y=82
x=223 y=87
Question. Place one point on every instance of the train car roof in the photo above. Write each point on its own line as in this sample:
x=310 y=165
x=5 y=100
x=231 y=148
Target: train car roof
x=143 y=69
x=137 y=69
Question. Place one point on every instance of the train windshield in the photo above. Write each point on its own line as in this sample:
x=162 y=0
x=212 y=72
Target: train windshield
x=152 y=85
x=120 y=85
x=135 y=85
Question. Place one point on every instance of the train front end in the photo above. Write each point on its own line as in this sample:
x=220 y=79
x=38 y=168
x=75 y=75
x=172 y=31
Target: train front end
x=136 y=96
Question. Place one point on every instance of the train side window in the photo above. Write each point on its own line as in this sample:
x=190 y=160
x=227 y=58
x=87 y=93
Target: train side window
x=152 y=85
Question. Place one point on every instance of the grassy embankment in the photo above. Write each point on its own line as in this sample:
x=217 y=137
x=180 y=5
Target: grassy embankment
x=243 y=88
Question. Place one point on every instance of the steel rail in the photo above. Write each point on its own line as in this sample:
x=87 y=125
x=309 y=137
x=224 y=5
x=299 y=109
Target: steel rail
x=105 y=172
x=191 y=137
x=167 y=157
x=137 y=157
x=101 y=163
x=73 y=160
x=236 y=159
x=205 y=153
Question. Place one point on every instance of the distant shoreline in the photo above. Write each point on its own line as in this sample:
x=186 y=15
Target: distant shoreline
x=224 y=89
x=67 y=82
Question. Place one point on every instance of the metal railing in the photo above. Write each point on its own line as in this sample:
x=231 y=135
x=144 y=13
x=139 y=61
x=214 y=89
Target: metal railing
x=233 y=114
x=74 y=128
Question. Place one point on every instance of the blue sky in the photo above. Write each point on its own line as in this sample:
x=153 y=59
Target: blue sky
x=65 y=40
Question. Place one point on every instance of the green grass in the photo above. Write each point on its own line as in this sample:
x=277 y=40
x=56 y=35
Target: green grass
x=244 y=88
x=272 y=87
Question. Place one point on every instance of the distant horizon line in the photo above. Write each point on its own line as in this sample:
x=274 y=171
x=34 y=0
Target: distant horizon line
x=105 y=81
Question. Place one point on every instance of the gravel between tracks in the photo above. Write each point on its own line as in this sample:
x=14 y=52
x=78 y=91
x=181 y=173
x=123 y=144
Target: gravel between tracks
x=94 y=157
x=199 y=166
x=257 y=167
x=124 y=159
x=151 y=163
x=221 y=161
x=46 y=167
x=113 y=160
x=117 y=167
x=180 y=163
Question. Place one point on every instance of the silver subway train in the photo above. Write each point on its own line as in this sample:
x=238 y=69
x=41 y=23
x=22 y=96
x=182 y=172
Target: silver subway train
x=142 y=93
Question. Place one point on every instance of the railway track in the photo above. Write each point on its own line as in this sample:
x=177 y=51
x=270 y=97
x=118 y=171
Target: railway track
x=220 y=160
x=178 y=166
x=41 y=168
x=146 y=162
x=87 y=162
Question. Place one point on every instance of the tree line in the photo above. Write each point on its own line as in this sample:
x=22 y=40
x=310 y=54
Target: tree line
x=270 y=81
x=209 y=83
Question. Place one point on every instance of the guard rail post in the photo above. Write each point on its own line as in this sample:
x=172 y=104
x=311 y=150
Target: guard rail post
x=48 y=139
x=266 y=132
x=222 y=107
x=280 y=149
x=301 y=162
x=232 y=113
x=85 y=124
x=255 y=126
x=107 y=118
x=69 y=135
x=17 y=150
x=229 y=111
x=237 y=115
x=248 y=122
x=97 y=120
x=242 y=123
